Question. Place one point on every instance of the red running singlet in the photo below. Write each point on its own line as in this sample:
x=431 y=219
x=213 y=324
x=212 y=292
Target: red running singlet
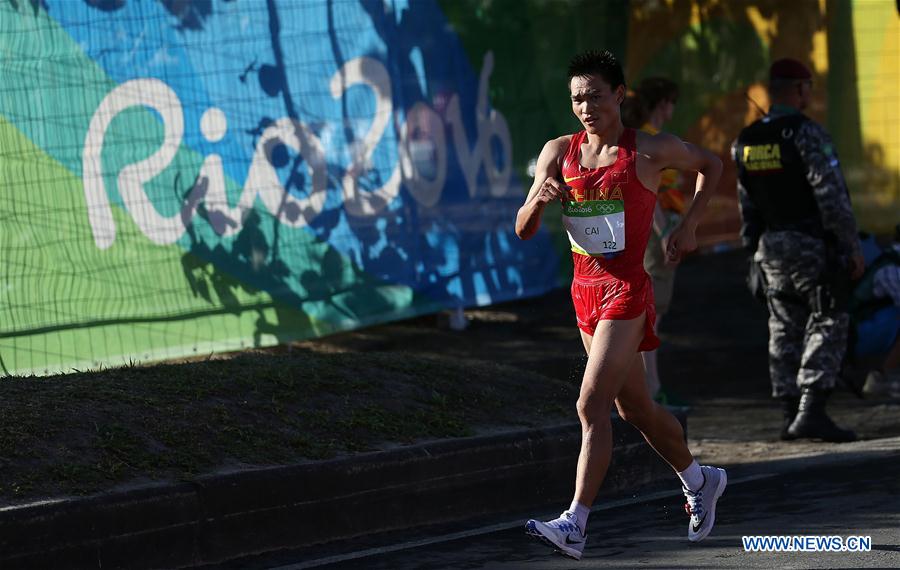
x=613 y=286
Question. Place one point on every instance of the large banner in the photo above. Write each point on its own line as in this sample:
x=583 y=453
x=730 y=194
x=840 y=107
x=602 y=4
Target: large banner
x=188 y=177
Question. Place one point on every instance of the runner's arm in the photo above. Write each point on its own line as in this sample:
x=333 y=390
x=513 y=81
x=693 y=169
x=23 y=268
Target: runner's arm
x=671 y=152
x=545 y=189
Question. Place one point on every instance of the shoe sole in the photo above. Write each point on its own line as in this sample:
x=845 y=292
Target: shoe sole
x=720 y=490
x=532 y=531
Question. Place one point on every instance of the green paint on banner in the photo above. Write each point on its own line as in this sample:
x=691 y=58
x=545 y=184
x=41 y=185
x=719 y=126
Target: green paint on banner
x=717 y=58
x=67 y=304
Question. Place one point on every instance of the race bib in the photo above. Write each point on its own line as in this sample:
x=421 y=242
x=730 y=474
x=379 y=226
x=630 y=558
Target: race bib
x=595 y=227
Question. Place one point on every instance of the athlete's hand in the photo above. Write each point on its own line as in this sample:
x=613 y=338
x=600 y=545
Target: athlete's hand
x=681 y=241
x=664 y=243
x=551 y=190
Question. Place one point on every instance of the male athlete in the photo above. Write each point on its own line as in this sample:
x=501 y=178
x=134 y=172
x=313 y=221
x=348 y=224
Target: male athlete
x=606 y=177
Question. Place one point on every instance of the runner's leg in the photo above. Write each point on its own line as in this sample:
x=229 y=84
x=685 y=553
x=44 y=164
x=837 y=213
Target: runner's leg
x=611 y=351
x=651 y=368
x=702 y=485
x=659 y=427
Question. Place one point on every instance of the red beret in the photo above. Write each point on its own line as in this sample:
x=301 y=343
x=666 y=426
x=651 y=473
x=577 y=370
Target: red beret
x=787 y=68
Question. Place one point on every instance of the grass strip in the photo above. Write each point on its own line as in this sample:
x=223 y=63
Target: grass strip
x=85 y=432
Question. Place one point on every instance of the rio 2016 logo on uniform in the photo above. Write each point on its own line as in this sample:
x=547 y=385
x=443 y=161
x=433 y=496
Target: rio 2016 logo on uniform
x=605 y=208
x=262 y=179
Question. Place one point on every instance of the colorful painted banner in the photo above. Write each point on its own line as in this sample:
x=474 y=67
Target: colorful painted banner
x=191 y=177
x=185 y=178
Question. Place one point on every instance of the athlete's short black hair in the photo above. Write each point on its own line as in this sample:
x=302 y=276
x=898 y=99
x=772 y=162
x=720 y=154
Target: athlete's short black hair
x=602 y=63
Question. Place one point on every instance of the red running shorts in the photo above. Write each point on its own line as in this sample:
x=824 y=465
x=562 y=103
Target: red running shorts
x=612 y=298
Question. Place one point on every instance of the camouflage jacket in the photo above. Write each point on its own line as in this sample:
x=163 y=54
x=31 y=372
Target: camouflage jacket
x=823 y=172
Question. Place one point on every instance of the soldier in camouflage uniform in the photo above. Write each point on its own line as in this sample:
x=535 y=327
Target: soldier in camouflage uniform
x=798 y=223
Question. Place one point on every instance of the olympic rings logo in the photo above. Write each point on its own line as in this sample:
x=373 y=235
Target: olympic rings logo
x=605 y=208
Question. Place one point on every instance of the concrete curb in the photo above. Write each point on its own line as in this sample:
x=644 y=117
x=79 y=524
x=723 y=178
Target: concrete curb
x=221 y=517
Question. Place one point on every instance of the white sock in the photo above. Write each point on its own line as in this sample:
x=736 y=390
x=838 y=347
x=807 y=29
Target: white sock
x=581 y=513
x=692 y=477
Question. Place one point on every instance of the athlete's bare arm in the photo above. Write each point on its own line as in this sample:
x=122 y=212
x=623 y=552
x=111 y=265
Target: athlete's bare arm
x=545 y=189
x=664 y=151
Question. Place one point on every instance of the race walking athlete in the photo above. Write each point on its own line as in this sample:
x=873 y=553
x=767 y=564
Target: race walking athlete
x=606 y=178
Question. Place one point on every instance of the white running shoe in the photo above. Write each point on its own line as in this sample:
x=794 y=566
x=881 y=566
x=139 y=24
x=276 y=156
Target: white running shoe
x=702 y=504
x=561 y=534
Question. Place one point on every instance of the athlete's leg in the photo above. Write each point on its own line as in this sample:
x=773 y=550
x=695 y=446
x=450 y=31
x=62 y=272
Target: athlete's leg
x=702 y=485
x=611 y=351
x=659 y=427
x=650 y=365
x=614 y=374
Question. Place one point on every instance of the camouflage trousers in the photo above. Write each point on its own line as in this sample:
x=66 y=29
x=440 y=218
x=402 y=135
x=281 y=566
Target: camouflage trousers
x=807 y=343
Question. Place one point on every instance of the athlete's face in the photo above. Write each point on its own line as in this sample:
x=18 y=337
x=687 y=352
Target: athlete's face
x=595 y=103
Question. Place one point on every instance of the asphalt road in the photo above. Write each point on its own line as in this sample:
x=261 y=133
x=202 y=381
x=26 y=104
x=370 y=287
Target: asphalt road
x=852 y=493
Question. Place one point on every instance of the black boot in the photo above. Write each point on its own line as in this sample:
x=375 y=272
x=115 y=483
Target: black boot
x=813 y=423
x=789 y=406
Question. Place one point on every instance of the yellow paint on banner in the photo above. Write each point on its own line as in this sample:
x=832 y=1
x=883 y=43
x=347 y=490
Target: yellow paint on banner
x=820 y=52
x=877 y=35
